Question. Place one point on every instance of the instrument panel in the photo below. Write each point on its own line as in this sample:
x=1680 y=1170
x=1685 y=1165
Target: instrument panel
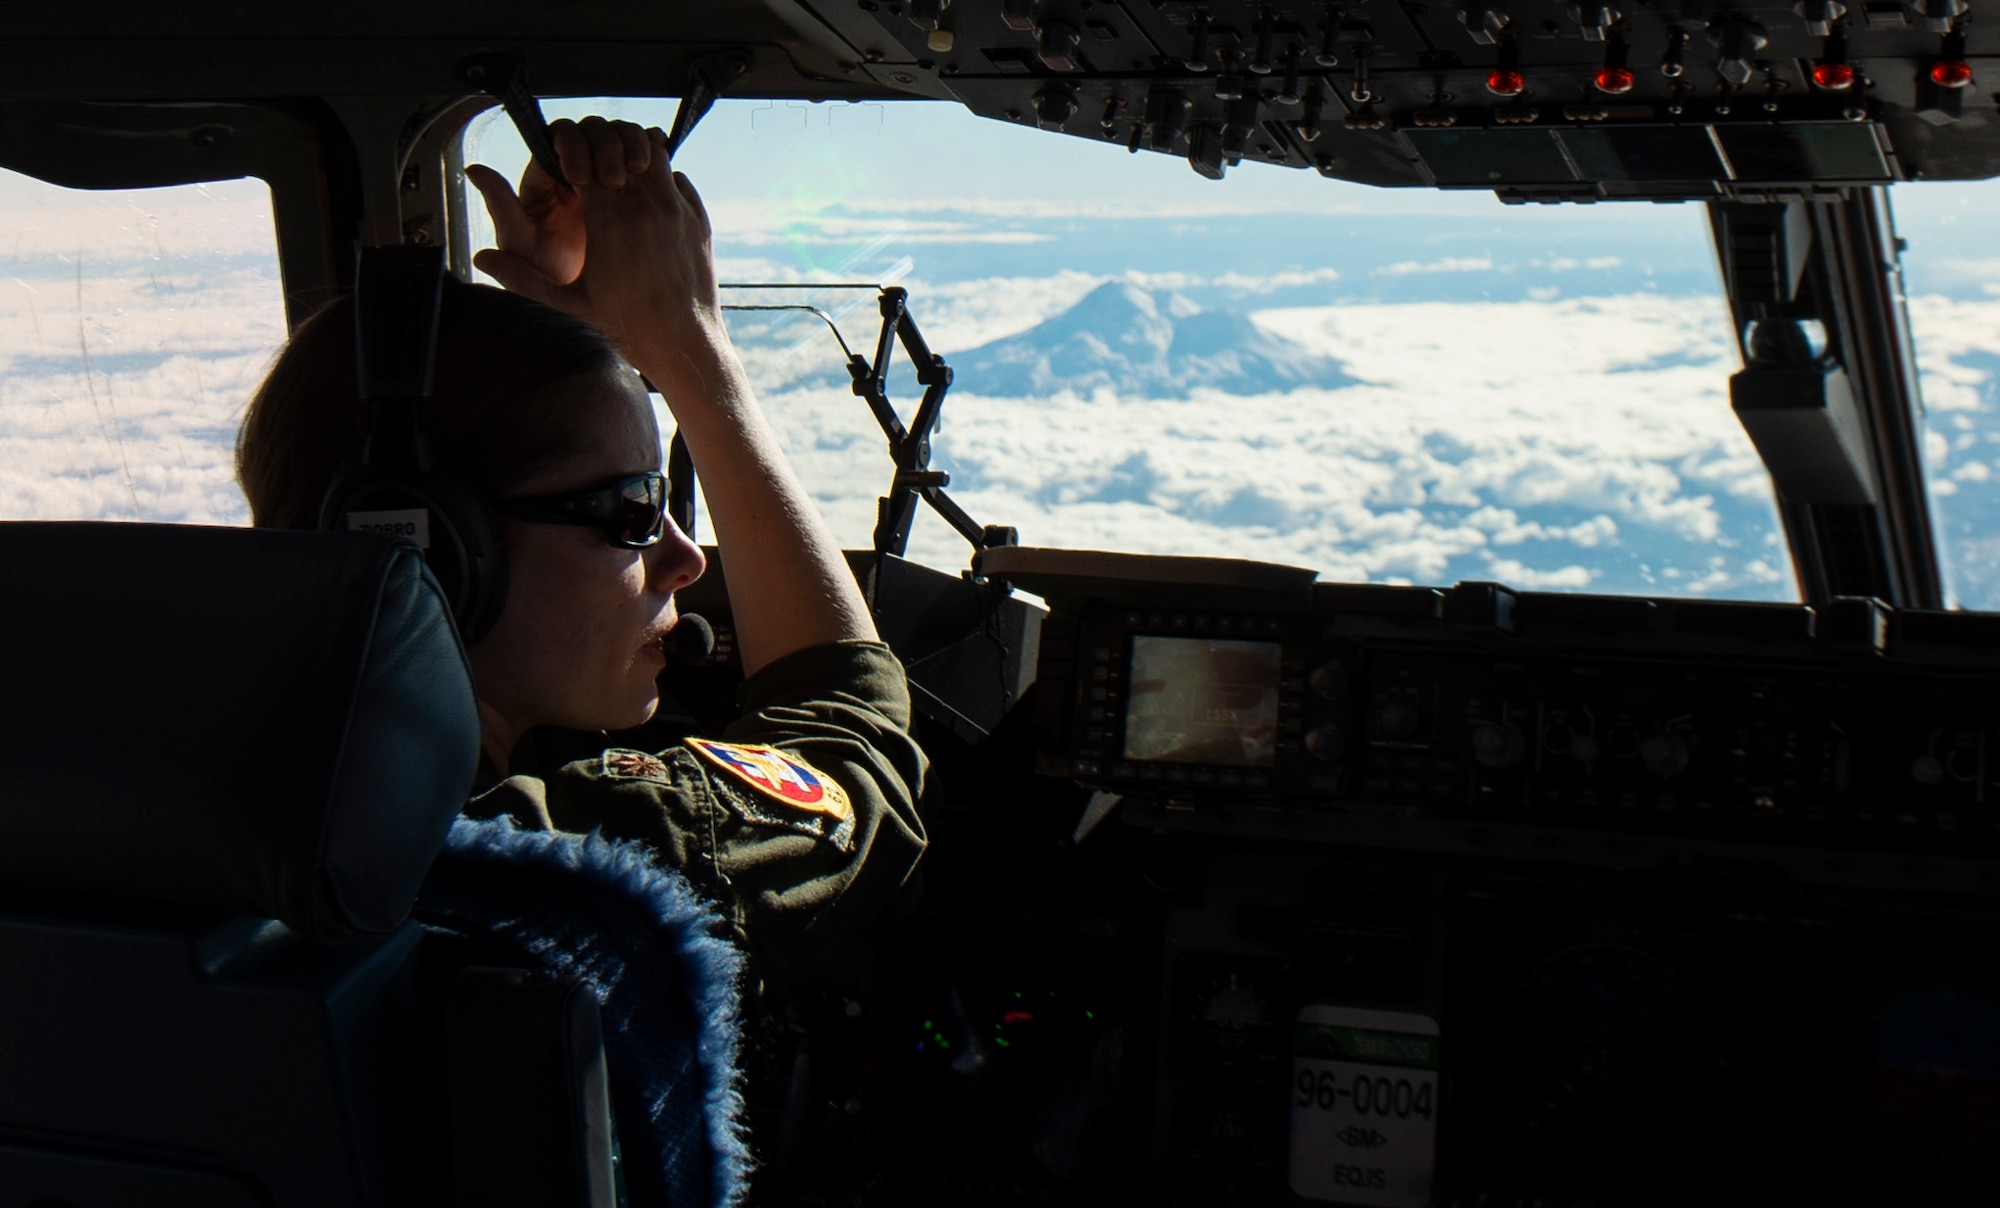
x=1497 y=897
x=1479 y=718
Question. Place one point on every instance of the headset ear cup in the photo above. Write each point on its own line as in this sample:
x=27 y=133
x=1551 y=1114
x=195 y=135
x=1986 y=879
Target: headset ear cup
x=476 y=529
x=440 y=511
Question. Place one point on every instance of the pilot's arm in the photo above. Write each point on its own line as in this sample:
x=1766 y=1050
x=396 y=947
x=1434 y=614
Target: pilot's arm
x=634 y=242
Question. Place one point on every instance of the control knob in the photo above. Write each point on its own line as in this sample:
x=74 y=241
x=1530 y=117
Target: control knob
x=1665 y=754
x=1497 y=744
x=1325 y=743
x=1397 y=719
x=1328 y=681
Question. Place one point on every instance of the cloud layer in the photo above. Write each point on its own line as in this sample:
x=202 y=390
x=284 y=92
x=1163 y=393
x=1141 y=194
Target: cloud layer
x=133 y=327
x=1579 y=441
x=1577 y=444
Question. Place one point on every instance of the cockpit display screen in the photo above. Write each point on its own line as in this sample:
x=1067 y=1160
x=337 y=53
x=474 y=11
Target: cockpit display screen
x=1194 y=700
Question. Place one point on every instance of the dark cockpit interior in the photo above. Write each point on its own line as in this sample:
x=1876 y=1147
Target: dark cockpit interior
x=1246 y=884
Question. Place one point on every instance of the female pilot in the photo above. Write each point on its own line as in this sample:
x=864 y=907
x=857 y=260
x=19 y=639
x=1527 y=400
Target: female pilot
x=800 y=823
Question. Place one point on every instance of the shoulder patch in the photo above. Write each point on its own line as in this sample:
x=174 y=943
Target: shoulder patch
x=777 y=776
x=633 y=765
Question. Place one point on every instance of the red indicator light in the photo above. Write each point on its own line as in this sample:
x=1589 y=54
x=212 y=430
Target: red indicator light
x=1017 y=1017
x=1504 y=81
x=1614 y=79
x=1834 y=77
x=1951 y=73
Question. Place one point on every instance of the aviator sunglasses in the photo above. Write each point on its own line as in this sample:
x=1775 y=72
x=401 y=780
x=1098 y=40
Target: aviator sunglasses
x=632 y=511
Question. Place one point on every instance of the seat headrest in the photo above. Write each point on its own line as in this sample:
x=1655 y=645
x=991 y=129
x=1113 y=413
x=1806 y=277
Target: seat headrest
x=274 y=722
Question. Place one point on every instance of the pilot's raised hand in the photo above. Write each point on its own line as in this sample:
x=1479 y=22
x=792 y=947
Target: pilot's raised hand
x=627 y=248
x=541 y=225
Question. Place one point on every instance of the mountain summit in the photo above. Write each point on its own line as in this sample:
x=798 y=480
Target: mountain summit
x=1143 y=344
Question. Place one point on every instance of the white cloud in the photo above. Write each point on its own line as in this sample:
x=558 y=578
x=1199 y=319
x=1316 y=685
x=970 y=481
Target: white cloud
x=1519 y=574
x=1273 y=282
x=40 y=224
x=1235 y=202
x=1450 y=264
x=1983 y=271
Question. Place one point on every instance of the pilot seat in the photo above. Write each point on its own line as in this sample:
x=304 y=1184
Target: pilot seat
x=230 y=759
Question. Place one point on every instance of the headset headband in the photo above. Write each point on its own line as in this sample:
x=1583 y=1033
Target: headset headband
x=397 y=293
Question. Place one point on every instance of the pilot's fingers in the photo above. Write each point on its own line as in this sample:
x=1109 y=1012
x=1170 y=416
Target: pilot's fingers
x=693 y=199
x=518 y=275
x=491 y=185
x=638 y=148
x=510 y=217
x=572 y=151
x=607 y=151
x=657 y=135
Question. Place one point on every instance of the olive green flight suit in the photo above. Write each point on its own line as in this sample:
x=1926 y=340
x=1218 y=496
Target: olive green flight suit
x=799 y=886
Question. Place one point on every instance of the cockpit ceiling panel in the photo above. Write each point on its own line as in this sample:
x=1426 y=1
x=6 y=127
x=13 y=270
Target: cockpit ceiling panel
x=1537 y=99
x=260 y=49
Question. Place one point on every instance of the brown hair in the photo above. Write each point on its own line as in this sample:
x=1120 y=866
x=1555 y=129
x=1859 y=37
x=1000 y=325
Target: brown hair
x=495 y=407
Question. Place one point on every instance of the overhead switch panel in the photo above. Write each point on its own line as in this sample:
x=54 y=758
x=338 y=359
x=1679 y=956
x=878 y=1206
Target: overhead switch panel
x=1538 y=100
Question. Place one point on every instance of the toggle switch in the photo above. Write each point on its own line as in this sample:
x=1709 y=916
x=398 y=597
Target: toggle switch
x=1313 y=105
x=1832 y=71
x=1197 y=59
x=1506 y=79
x=1229 y=83
x=1614 y=77
x=1261 y=62
x=1673 y=60
x=1329 y=34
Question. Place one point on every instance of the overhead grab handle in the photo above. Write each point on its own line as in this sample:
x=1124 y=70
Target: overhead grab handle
x=708 y=77
x=505 y=79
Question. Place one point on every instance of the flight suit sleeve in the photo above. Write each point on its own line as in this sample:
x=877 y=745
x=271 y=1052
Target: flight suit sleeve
x=800 y=821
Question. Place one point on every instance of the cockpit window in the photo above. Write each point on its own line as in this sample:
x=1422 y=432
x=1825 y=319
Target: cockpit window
x=1951 y=269
x=1382 y=385
x=133 y=326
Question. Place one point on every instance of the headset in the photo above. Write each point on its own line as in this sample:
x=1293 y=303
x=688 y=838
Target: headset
x=395 y=485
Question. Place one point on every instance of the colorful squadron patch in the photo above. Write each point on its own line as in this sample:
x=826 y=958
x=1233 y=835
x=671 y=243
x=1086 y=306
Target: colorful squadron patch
x=813 y=803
